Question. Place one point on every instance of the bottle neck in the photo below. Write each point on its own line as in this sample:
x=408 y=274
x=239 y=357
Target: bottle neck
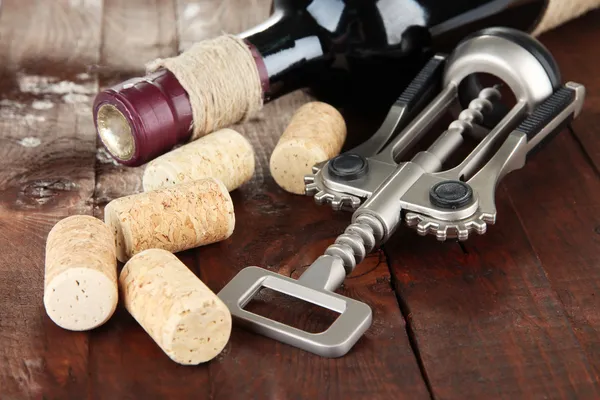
x=288 y=48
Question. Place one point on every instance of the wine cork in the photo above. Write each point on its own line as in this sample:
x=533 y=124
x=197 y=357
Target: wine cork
x=225 y=155
x=80 y=282
x=181 y=314
x=174 y=219
x=316 y=133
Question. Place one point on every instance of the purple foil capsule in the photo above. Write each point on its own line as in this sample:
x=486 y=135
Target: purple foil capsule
x=140 y=119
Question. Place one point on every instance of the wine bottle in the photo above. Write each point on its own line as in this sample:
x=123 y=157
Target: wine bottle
x=302 y=44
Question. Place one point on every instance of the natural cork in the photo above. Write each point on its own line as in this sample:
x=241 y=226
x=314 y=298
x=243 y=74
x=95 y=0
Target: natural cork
x=225 y=155
x=175 y=219
x=316 y=133
x=80 y=282
x=181 y=314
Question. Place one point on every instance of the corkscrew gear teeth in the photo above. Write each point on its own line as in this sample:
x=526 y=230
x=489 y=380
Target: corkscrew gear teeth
x=337 y=201
x=444 y=230
x=382 y=192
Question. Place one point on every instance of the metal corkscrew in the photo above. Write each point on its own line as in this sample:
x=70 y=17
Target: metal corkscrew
x=383 y=193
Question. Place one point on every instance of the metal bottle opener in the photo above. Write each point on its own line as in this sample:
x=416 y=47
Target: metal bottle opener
x=450 y=203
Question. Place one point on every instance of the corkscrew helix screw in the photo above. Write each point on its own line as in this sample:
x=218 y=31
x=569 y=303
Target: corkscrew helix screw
x=474 y=114
x=383 y=191
x=356 y=242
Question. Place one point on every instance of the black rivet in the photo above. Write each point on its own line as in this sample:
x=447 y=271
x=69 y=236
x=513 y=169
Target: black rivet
x=348 y=166
x=451 y=194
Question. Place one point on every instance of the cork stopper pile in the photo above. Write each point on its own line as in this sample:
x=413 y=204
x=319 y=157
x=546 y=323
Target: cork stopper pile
x=316 y=133
x=175 y=219
x=185 y=204
x=80 y=282
x=181 y=314
x=225 y=155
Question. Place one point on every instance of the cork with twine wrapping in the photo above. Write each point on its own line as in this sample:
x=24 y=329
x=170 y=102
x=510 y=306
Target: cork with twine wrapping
x=177 y=218
x=316 y=133
x=221 y=79
x=80 y=281
x=561 y=11
x=181 y=314
x=225 y=155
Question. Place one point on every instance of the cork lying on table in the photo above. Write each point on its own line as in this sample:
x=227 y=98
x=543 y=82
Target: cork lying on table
x=316 y=133
x=175 y=219
x=80 y=282
x=181 y=314
x=225 y=155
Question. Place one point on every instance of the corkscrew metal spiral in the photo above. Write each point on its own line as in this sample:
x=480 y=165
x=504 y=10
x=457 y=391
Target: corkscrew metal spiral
x=383 y=191
x=357 y=241
x=475 y=112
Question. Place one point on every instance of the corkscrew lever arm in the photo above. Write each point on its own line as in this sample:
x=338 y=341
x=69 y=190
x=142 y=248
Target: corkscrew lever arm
x=538 y=129
x=417 y=95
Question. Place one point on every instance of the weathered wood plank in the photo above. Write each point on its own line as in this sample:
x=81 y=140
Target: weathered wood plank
x=203 y=19
x=512 y=315
x=560 y=205
x=285 y=233
x=487 y=322
x=560 y=211
x=124 y=361
x=578 y=62
x=135 y=32
x=277 y=230
x=50 y=32
x=47 y=147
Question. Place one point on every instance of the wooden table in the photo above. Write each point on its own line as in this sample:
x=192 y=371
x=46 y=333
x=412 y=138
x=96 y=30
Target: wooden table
x=512 y=314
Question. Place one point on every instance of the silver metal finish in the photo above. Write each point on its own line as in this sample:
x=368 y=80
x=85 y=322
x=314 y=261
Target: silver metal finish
x=389 y=190
x=417 y=128
x=357 y=241
x=471 y=163
x=315 y=286
x=507 y=60
x=432 y=159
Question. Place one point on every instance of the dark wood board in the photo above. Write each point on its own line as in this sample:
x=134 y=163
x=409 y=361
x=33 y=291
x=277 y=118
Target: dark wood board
x=579 y=62
x=47 y=157
x=512 y=314
x=271 y=227
x=558 y=198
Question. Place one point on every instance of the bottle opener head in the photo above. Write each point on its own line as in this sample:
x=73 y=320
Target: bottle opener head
x=315 y=286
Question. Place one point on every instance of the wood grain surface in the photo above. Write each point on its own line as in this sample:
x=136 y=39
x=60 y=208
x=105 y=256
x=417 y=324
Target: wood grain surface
x=46 y=173
x=512 y=314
